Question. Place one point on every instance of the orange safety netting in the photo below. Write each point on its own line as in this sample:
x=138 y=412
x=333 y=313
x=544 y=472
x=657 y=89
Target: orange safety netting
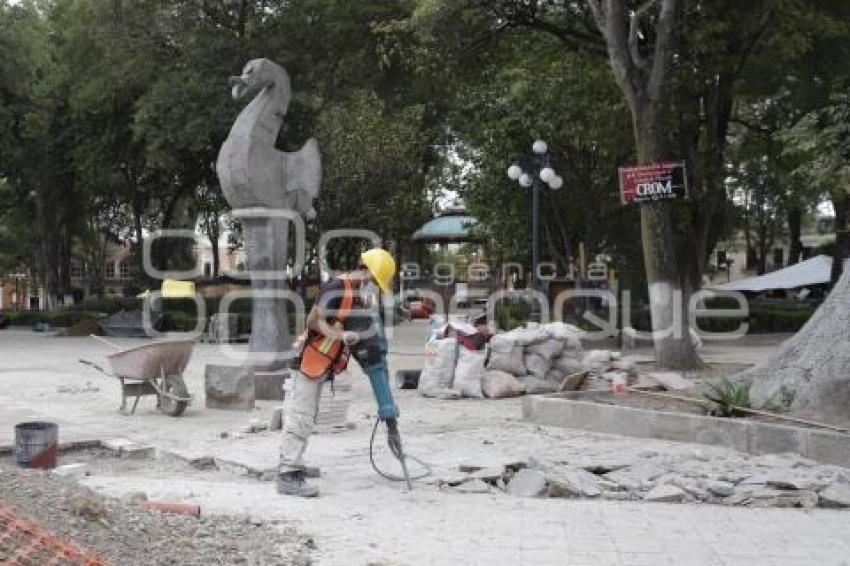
x=25 y=543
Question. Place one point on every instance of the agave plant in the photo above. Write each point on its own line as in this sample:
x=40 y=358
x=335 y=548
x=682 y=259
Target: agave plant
x=729 y=396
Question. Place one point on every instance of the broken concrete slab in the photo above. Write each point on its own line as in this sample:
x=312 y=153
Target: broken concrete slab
x=719 y=488
x=229 y=387
x=125 y=448
x=473 y=486
x=692 y=486
x=565 y=481
x=666 y=494
x=527 y=483
x=836 y=495
x=490 y=474
x=455 y=479
x=635 y=477
x=756 y=496
x=788 y=480
x=600 y=466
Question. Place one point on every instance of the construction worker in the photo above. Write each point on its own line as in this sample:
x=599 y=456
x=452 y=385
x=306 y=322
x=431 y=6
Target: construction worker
x=345 y=314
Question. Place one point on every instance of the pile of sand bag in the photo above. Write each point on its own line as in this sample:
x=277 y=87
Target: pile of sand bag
x=533 y=359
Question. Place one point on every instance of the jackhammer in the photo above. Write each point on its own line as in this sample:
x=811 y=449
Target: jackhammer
x=371 y=354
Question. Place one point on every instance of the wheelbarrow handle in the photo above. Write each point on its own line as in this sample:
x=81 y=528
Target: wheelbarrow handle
x=94 y=365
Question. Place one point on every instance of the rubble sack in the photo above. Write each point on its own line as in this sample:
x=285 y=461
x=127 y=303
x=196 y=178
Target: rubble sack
x=537 y=364
x=499 y=384
x=469 y=373
x=505 y=355
x=439 y=365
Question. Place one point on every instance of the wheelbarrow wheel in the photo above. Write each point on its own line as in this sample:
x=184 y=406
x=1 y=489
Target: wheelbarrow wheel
x=173 y=385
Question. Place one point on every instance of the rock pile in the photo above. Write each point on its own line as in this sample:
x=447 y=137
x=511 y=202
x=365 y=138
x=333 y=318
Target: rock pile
x=785 y=480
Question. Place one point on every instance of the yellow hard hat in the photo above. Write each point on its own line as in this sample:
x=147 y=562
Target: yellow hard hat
x=381 y=265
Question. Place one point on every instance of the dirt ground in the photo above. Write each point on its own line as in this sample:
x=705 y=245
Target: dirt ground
x=127 y=534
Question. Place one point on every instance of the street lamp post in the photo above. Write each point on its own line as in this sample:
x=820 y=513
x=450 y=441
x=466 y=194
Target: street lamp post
x=533 y=171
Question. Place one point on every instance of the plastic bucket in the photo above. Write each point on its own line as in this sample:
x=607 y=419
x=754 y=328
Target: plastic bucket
x=37 y=444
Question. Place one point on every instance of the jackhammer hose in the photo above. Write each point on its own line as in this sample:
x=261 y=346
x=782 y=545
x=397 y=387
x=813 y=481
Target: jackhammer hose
x=389 y=476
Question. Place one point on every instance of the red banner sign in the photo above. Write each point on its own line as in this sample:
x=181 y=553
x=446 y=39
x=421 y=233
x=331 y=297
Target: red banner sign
x=657 y=181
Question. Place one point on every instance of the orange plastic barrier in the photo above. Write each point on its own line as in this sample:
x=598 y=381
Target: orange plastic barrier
x=25 y=543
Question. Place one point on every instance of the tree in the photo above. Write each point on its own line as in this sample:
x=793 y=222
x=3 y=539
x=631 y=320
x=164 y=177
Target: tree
x=372 y=168
x=677 y=66
x=821 y=142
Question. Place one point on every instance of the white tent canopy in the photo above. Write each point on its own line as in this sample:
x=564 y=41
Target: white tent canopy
x=813 y=271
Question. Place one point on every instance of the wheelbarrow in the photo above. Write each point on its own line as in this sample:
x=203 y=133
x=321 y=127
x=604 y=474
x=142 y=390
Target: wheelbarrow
x=151 y=369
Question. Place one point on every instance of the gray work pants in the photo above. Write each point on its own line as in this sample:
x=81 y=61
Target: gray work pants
x=300 y=408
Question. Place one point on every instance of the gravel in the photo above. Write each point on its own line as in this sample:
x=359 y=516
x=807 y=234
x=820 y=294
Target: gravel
x=125 y=534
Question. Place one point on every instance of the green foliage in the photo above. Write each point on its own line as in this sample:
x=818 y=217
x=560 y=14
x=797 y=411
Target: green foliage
x=62 y=318
x=373 y=168
x=729 y=396
x=108 y=304
x=512 y=314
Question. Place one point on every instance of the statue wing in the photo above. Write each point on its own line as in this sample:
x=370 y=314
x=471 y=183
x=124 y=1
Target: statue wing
x=303 y=175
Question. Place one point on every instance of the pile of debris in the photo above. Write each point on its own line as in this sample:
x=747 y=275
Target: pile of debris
x=785 y=480
x=545 y=358
x=126 y=532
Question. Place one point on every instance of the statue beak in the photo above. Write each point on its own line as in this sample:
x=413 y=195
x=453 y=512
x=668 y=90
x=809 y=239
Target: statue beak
x=238 y=87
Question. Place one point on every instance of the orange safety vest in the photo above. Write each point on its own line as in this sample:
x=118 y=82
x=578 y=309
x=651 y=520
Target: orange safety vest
x=322 y=355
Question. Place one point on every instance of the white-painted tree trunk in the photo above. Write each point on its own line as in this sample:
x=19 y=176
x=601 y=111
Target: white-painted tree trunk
x=813 y=365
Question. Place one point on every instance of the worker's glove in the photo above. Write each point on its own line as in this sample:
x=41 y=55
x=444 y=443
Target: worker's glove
x=350 y=338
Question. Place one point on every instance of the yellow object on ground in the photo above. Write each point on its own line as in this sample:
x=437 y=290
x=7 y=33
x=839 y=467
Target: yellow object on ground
x=173 y=289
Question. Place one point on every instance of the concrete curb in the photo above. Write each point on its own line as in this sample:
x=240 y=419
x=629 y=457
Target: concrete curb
x=743 y=435
x=7 y=450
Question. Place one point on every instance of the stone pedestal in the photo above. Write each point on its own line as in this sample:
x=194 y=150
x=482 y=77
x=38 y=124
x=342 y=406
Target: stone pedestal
x=266 y=247
x=268 y=385
x=229 y=387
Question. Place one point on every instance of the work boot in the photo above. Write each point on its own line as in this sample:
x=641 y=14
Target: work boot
x=295 y=483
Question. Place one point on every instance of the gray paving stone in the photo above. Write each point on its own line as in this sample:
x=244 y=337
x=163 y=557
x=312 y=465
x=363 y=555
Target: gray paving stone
x=666 y=494
x=473 y=486
x=527 y=483
x=836 y=495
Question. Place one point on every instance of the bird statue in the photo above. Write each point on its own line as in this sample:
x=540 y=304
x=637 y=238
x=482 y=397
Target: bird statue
x=252 y=171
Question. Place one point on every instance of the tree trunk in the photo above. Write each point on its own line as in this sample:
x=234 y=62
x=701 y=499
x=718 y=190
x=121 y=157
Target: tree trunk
x=216 y=255
x=668 y=300
x=841 y=204
x=812 y=367
x=795 y=222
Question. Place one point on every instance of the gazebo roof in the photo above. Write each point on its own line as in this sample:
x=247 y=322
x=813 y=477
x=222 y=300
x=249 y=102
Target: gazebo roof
x=451 y=226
